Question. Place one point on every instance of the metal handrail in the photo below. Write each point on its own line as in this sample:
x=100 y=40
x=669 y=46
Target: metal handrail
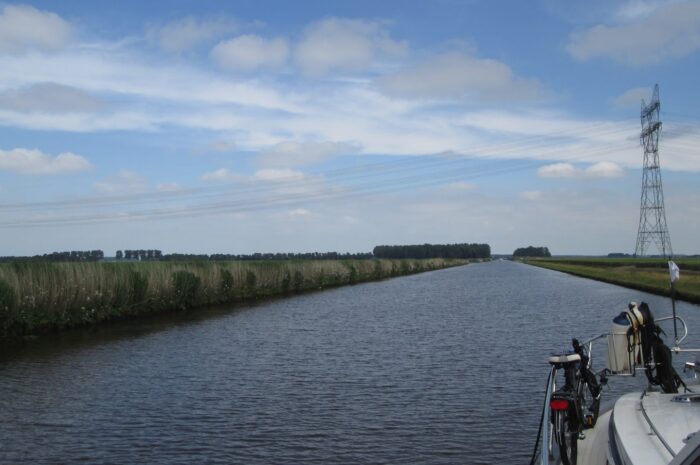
x=685 y=327
x=651 y=425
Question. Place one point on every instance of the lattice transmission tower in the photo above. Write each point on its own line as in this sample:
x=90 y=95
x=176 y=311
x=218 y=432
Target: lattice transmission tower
x=652 y=215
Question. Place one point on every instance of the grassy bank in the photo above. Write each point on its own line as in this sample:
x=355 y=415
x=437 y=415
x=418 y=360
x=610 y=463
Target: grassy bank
x=43 y=296
x=648 y=275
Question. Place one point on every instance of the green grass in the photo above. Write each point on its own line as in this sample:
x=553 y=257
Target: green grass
x=45 y=296
x=683 y=263
x=649 y=275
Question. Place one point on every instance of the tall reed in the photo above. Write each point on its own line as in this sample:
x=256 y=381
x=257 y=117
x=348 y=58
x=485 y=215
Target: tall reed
x=43 y=296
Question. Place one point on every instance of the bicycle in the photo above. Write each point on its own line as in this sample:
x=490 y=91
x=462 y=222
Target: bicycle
x=575 y=406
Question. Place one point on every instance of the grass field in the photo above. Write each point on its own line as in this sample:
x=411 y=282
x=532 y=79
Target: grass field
x=43 y=296
x=649 y=275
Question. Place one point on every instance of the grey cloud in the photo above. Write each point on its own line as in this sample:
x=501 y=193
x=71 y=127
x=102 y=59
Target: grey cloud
x=459 y=75
x=671 y=31
x=49 y=97
x=290 y=153
x=23 y=28
x=344 y=45
x=185 y=34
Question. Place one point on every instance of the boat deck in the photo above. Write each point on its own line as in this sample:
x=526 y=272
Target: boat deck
x=654 y=428
x=593 y=449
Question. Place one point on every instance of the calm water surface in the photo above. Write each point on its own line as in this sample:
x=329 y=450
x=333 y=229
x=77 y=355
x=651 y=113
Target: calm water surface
x=438 y=368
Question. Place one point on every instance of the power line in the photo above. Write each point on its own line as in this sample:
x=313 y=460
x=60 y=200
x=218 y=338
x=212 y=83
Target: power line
x=362 y=180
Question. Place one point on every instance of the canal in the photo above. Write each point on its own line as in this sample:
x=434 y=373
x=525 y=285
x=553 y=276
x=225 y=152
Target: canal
x=437 y=368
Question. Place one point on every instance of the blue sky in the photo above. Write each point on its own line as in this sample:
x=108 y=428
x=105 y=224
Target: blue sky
x=262 y=126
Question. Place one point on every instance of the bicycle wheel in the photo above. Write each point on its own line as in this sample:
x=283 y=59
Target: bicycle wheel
x=565 y=438
x=590 y=406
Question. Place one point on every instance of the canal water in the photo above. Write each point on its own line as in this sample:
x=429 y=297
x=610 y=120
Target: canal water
x=446 y=367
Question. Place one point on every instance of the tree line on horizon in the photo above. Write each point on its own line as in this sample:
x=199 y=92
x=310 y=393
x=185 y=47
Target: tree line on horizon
x=531 y=251
x=382 y=251
x=269 y=256
x=433 y=251
x=71 y=256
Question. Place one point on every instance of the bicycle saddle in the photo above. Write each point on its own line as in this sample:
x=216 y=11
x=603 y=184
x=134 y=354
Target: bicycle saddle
x=564 y=358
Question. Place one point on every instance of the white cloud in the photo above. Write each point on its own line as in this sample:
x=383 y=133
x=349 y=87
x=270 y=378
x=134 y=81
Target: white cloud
x=169 y=187
x=33 y=161
x=49 y=97
x=668 y=32
x=23 y=27
x=530 y=195
x=250 y=52
x=462 y=186
x=637 y=9
x=456 y=75
x=276 y=175
x=632 y=98
x=299 y=212
x=123 y=182
x=221 y=146
x=337 y=44
x=221 y=175
x=187 y=33
x=265 y=175
x=292 y=153
x=557 y=170
x=603 y=169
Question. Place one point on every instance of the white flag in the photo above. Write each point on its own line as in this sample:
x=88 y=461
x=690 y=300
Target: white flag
x=674 y=271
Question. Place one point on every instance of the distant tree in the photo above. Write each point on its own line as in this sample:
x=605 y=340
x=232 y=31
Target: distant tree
x=531 y=251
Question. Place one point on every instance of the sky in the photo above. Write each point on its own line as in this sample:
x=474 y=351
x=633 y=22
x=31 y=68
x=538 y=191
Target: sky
x=277 y=126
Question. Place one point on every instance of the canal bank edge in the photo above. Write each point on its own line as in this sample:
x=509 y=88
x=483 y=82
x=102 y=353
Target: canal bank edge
x=604 y=274
x=46 y=297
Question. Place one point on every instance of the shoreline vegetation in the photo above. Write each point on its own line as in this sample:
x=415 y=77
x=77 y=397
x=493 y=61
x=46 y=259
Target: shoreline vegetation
x=648 y=275
x=39 y=296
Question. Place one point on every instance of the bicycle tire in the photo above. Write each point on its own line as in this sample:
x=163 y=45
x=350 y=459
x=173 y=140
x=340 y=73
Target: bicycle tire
x=566 y=440
x=588 y=404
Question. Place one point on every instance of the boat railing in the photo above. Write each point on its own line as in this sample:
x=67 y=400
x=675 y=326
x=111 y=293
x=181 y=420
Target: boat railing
x=547 y=431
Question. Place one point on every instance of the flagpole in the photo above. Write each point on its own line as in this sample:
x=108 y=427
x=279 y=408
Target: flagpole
x=673 y=305
x=674 y=275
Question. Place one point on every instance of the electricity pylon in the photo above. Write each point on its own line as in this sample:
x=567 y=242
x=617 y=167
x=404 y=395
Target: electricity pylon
x=652 y=216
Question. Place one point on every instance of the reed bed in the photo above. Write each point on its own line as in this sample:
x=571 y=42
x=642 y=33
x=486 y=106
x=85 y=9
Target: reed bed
x=44 y=296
